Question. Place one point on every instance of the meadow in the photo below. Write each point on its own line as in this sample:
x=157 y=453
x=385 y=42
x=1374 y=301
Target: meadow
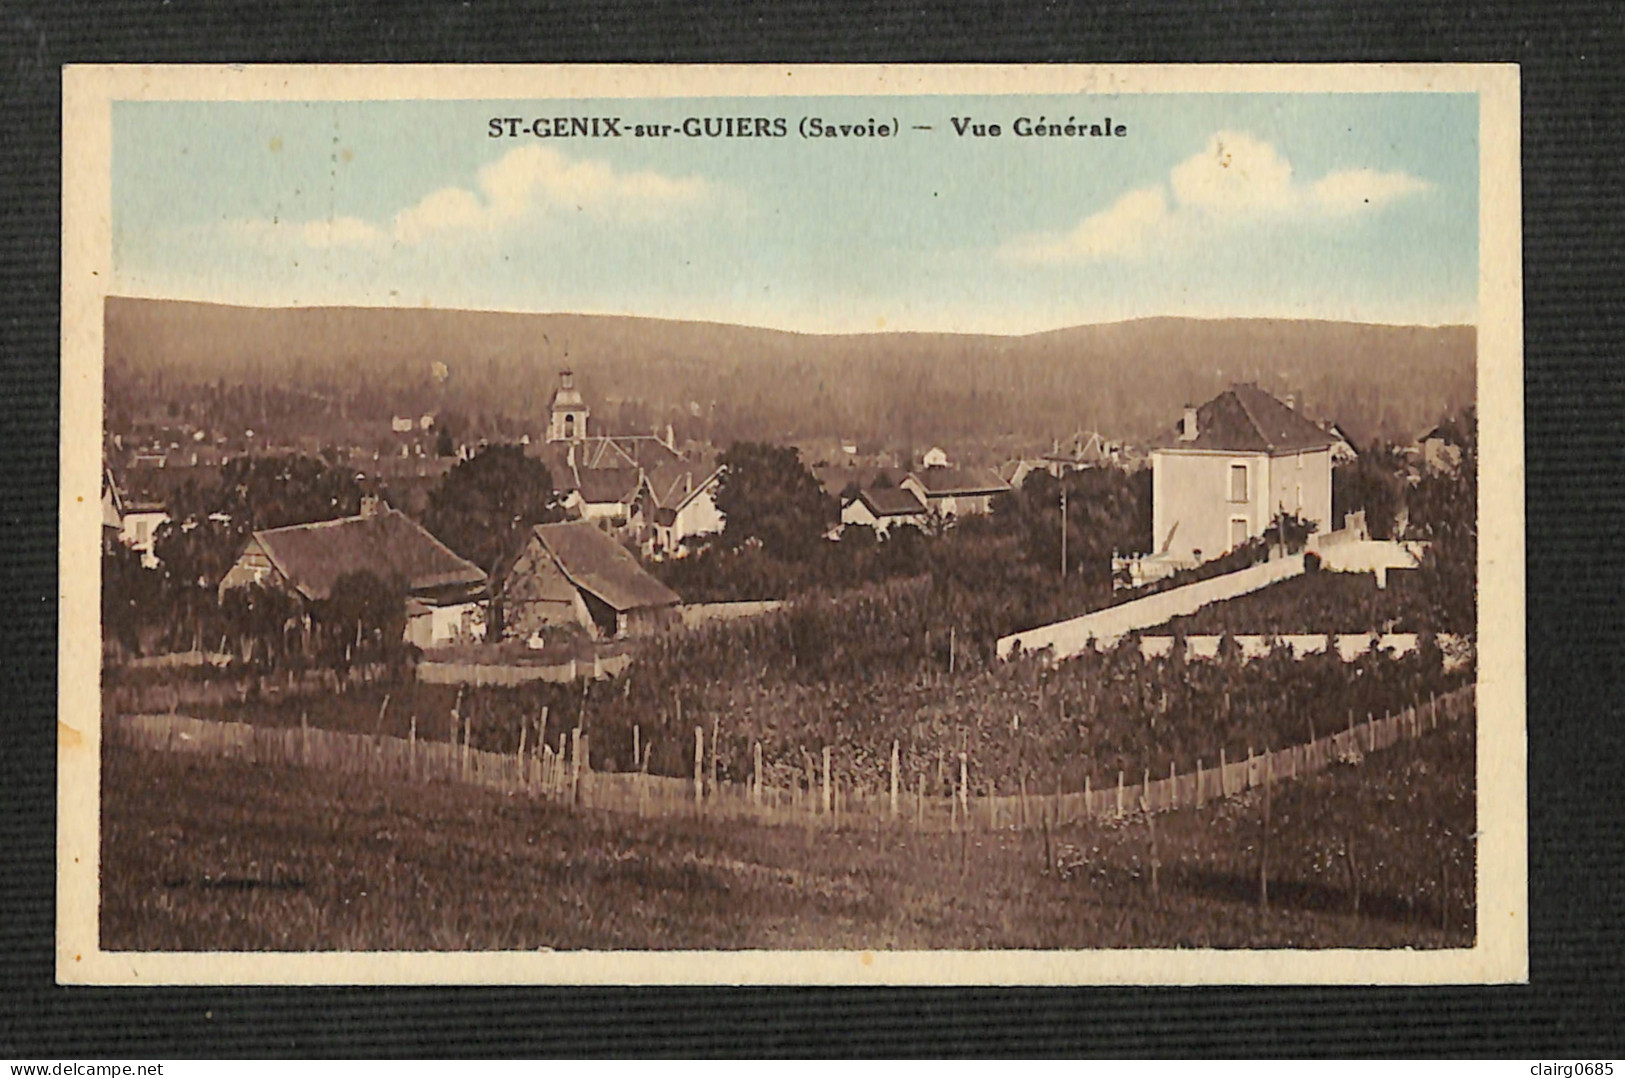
x=201 y=853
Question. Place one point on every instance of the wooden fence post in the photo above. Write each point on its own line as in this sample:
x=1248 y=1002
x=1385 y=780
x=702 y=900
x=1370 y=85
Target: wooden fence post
x=1264 y=840
x=1224 y=781
x=519 y=757
x=304 y=737
x=1173 y=786
x=412 y=749
x=699 y=767
x=964 y=788
x=894 y=751
x=756 y=783
x=828 y=803
x=1433 y=712
x=714 y=755
x=1088 y=797
x=637 y=747
x=919 y=805
x=468 y=735
x=1145 y=790
x=1119 y=794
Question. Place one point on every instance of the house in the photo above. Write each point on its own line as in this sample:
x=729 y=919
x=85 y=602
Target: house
x=445 y=594
x=1229 y=468
x=604 y=494
x=1441 y=447
x=677 y=503
x=139 y=522
x=1343 y=451
x=884 y=508
x=954 y=492
x=1085 y=449
x=573 y=574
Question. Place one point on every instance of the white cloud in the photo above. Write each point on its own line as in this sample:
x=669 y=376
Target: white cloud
x=1235 y=179
x=525 y=185
x=1351 y=191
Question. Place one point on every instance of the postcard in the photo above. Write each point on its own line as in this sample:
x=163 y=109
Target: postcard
x=810 y=525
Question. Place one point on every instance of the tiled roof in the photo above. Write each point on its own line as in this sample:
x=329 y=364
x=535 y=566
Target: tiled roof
x=1246 y=419
x=313 y=556
x=947 y=482
x=676 y=483
x=599 y=565
x=605 y=486
x=891 y=502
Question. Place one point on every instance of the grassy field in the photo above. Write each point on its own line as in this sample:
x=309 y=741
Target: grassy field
x=208 y=854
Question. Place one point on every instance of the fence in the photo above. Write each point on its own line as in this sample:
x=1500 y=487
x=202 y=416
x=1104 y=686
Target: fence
x=827 y=800
x=507 y=674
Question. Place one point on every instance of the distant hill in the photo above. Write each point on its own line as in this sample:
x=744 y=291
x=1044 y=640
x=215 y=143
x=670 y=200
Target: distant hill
x=1127 y=379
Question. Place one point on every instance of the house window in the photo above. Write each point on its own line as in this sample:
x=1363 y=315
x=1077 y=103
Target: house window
x=1238 y=482
x=1238 y=531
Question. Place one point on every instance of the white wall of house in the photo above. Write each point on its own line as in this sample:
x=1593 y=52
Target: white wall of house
x=857 y=512
x=137 y=530
x=699 y=517
x=1204 y=501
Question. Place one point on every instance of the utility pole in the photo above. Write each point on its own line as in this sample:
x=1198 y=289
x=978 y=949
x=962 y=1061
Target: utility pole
x=1063 y=529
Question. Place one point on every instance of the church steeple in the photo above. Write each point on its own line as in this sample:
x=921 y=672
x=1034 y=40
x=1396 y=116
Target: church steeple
x=568 y=422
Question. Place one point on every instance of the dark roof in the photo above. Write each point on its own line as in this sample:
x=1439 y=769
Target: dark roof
x=597 y=564
x=623 y=450
x=674 y=484
x=946 y=482
x=556 y=455
x=603 y=486
x=891 y=502
x=313 y=556
x=1244 y=418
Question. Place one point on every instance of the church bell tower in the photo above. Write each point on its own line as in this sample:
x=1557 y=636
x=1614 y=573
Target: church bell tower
x=568 y=422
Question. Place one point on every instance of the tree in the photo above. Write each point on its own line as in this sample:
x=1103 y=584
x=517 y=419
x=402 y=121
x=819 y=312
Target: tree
x=1371 y=483
x=272 y=492
x=768 y=496
x=486 y=506
x=362 y=620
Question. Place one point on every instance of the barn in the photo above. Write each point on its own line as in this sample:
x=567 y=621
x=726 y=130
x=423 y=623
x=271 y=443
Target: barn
x=574 y=574
x=445 y=594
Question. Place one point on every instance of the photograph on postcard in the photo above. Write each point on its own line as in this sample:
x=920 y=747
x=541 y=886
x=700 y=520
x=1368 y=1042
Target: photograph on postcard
x=844 y=522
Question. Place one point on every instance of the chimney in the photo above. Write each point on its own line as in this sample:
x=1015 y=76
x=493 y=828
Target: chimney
x=1187 y=429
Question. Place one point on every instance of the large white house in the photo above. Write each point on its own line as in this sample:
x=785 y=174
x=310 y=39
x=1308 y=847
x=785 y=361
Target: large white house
x=1232 y=466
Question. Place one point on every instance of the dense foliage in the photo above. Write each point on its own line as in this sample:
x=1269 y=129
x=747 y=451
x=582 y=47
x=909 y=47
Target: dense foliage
x=1326 y=602
x=1095 y=715
x=772 y=500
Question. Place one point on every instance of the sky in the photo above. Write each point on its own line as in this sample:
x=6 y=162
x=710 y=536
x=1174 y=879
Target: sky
x=1344 y=206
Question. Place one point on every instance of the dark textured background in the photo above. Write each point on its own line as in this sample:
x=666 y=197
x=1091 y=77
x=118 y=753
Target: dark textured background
x=1575 y=1006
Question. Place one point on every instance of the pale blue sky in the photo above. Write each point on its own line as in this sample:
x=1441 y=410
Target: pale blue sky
x=1359 y=206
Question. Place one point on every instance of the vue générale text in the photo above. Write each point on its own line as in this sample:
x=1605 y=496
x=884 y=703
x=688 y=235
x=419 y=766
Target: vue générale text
x=808 y=127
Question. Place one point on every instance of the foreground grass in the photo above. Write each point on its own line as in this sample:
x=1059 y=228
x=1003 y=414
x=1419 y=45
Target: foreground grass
x=201 y=854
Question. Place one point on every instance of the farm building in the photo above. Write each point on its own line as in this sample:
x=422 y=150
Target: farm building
x=884 y=509
x=1229 y=468
x=445 y=594
x=955 y=492
x=573 y=574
